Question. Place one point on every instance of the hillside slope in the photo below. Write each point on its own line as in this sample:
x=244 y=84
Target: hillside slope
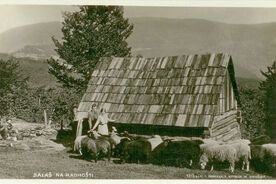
x=252 y=47
x=35 y=34
x=36 y=70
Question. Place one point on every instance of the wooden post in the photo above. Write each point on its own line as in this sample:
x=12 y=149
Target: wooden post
x=45 y=118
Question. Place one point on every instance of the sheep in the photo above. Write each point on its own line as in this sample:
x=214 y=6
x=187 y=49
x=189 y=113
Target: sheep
x=118 y=150
x=263 y=139
x=77 y=144
x=93 y=134
x=155 y=141
x=243 y=141
x=243 y=152
x=89 y=148
x=210 y=141
x=270 y=148
x=115 y=139
x=135 y=150
x=103 y=147
x=216 y=152
x=97 y=148
x=264 y=157
x=177 y=152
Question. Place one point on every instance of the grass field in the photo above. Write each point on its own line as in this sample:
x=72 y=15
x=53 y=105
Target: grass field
x=51 y=163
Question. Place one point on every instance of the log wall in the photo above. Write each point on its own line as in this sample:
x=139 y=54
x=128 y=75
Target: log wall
x=226 y=127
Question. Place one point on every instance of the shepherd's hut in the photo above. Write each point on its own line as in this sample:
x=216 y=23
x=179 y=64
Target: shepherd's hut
x=188 y=95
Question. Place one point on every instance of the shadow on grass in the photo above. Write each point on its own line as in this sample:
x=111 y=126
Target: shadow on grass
x=65 y=137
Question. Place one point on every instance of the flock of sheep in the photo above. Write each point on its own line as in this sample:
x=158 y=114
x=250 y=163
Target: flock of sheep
x=189 y=153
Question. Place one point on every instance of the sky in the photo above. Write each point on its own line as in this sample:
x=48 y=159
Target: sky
x=18 y=15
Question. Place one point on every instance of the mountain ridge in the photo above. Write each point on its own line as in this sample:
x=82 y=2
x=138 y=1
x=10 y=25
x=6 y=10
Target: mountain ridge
x=252 y=46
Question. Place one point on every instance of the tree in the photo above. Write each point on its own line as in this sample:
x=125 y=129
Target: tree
x=268 y=88
x=13 y=85
x=253 y=115
x=91 y=33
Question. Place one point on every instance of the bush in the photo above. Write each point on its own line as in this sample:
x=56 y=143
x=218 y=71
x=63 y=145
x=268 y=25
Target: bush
x=57 y=102
x=253 y=124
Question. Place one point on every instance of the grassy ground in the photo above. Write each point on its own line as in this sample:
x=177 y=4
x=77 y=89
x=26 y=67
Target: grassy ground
x=29 y=164
x=40 y=158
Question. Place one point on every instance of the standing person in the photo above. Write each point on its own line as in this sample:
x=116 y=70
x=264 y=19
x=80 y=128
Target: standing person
x=75 y=110
x=92 y=116
x=9 y=124
x=4 y=129
x=101 y=122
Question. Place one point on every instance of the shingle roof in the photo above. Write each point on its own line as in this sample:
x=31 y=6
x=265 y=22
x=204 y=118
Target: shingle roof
x=178 y=91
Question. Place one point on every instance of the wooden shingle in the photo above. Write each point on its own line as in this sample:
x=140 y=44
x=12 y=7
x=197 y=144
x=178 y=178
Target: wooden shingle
x=176 y=91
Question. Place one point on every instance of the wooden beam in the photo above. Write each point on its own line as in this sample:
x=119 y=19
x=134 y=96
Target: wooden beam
x=225 y=135
x=227 y=128
x=232 y=98
x=227 y=92
x=225 y=115
x=231 y=134
x=45 y=118
x=223 y=126
x=224 y=121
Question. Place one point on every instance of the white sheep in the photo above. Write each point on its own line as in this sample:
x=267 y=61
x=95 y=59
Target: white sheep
x=155 y=141
x=244 y=141
x=263 y=157
x=270 y=148
x=243 y=152
x=265 y=151
x=212 y=152
x=211 y=141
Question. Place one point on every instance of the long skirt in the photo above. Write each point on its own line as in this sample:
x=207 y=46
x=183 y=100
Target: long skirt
x=103 y=129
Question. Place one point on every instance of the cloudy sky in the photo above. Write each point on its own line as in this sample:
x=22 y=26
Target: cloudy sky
x=18 y=15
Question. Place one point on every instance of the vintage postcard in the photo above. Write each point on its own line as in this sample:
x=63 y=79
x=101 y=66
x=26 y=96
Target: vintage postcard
x=138 y=91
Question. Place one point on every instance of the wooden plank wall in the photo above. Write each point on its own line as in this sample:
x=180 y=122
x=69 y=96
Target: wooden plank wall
x=227 y=100
x=226 y=127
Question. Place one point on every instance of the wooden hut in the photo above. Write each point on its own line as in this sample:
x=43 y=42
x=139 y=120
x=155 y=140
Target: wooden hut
x=188 y=95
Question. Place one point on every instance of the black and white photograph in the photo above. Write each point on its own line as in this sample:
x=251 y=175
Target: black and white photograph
x=120 y=91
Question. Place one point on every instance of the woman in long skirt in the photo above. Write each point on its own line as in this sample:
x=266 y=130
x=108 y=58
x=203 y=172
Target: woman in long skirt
x=102 y=122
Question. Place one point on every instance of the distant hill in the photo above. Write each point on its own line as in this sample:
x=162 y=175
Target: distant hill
x=248 y=83
x=37 y=52
x=252 y=47
x=35 y=34
x=36 y=70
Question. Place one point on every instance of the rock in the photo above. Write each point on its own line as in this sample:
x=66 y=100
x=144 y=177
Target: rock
x=21 y=146
x=32 y=135
x=26 y=134
x=39 y=133
x=19 y=137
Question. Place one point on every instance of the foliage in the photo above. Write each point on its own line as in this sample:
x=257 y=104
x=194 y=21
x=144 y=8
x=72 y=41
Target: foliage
x=57 y=102
x=19 y=100
x=12 y=83
x=91 y=33
x=268 y=88
x=252 y=106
